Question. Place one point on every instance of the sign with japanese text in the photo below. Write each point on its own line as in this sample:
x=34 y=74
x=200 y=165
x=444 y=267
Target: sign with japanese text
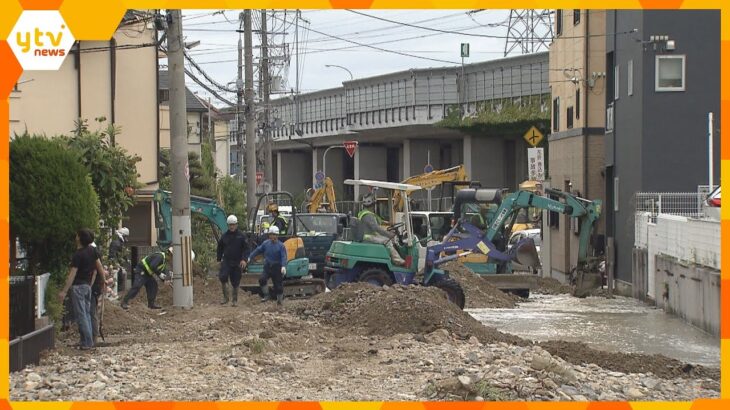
x=536 y=164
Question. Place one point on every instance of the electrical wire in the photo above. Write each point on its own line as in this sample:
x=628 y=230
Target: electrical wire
x=382 y=49
x=479 y=35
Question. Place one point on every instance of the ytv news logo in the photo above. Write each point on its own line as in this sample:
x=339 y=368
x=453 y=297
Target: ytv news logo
x=40 y=40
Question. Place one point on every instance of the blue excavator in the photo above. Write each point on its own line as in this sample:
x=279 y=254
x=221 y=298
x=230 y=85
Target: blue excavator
x=297 y=282
x=481 y=232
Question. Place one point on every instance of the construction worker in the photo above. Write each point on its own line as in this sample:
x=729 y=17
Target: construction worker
x=373 y=232
x=232 y=254
x=276 y=219
x=152 y=265
x=117 y=246
x=275 y=259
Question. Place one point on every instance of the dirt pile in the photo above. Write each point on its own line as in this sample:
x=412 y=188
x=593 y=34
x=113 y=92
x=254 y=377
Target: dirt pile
x=662 y=366
x=479 y=293
x=396 y=310
x=550 y=286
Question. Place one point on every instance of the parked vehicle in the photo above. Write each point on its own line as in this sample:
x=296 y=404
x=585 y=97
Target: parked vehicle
x=711 y=205
x=318 y=231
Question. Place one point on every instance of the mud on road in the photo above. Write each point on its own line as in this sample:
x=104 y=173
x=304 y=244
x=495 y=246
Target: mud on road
x=355 y=343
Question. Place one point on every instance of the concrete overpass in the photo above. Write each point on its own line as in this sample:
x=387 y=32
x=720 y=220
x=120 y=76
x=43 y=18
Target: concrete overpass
x=393 y=117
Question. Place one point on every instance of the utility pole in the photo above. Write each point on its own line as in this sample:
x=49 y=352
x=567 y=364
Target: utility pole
x=250 y=117
x=265 y=90
x=239 y=105
x=182 y=295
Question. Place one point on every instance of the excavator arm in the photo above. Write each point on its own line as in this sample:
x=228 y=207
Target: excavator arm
x=429 y=180
x=465 y=238
x=198 y=205
x=585 y=210
x=327 y=191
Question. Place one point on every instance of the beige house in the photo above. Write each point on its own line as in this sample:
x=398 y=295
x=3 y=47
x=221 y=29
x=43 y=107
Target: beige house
x=115 y=79
x=576 y=142
x=197 y=115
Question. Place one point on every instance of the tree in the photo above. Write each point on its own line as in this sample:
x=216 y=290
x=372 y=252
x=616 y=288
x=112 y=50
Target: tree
x=233 y=197
x=112 y=169
x=202 y=183
x=51 y=197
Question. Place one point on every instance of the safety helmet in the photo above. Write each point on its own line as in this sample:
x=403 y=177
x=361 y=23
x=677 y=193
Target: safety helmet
x=368 y=199
x=192 y=253
x=274 y=230
x=124 y=231
x=232 y=220
x=265 y=226
x=272 y=207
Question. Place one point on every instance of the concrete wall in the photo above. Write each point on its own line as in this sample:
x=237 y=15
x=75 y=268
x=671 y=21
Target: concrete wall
x=297 y=168
x=373 y=162
x=689 y=291
x=676 y=262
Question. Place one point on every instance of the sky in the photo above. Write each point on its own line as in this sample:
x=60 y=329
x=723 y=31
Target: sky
x=217 y=52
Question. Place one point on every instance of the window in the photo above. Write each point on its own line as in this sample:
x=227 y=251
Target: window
x=615 y=194
x=569 y=122
x=670 y=72
x=577 y=104
x=164 y=95
x=556 y=114
x=630 y=77
x=559 y=22
x=576 y=17
x=616 y=90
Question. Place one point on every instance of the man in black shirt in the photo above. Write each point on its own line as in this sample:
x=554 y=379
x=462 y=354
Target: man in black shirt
x=85 y=264
x=232 y=254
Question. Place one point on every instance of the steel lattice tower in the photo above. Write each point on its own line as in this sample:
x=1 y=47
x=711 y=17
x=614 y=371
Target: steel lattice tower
x=529 y=31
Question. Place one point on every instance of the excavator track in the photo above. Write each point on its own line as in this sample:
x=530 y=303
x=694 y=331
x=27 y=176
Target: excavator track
x=303 y=288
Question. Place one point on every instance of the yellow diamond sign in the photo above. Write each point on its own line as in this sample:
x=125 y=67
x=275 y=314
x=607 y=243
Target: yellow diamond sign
x=533 y=136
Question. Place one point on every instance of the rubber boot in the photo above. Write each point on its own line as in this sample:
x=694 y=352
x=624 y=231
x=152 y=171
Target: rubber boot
x=264 y=293
x=234 y=295
x=279 y=299
x=224 y=286
x=394 y=255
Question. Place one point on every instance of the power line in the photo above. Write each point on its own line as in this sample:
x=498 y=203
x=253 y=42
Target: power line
x=381 y=49
x=210 y=90
x=479 y=35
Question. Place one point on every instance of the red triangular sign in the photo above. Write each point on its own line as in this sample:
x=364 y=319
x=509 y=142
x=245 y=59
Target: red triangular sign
x=350 y=147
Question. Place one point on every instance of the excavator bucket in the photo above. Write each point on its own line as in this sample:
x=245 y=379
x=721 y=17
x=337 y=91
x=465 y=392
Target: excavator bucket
x=526 y=253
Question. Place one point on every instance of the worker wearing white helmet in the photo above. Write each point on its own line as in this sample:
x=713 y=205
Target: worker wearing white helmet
x=275 y=259
x=232 y=253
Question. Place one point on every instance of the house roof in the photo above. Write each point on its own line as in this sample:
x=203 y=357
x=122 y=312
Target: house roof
x=193 y=103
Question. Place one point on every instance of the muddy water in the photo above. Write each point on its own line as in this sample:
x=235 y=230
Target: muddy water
x=619 y=324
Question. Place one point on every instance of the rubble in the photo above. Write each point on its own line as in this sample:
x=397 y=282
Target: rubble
x=355 y=343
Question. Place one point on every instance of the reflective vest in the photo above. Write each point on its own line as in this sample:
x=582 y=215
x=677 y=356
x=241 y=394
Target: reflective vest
x=364 y=212
x=147 y=267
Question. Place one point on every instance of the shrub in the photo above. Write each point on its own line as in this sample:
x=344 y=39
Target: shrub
x=51 y=197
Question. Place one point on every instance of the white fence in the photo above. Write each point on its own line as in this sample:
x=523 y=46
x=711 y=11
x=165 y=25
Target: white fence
x=695 y=241
x=688 y=204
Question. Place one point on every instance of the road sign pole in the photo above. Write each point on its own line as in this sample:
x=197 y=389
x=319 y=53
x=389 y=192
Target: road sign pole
x=324 y=158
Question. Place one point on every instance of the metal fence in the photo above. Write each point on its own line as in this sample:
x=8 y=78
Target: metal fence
x=687 y=204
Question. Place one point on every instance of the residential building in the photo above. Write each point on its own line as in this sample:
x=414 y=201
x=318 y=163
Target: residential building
x=576 y=141
x=663 y=78
x=113 y=79
x=196 y=109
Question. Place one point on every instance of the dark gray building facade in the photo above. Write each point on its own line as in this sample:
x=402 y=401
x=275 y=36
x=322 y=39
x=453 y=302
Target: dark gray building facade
x=662 y=81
